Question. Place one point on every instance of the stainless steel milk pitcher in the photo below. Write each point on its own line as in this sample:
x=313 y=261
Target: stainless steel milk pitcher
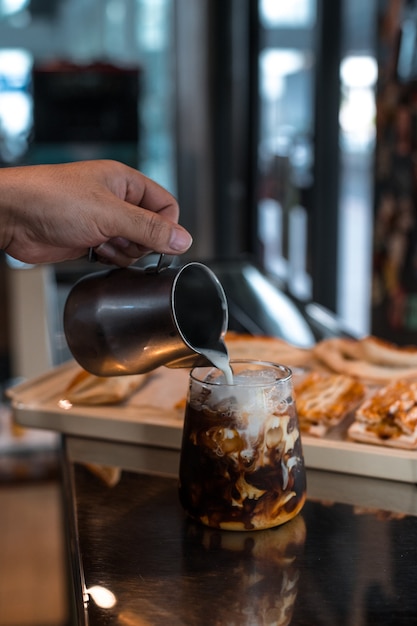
x=132 y=320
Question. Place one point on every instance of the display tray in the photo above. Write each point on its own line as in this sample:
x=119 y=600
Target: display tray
x=150 y=418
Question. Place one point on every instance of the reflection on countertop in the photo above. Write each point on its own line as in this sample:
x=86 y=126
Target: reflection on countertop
x=348 y=558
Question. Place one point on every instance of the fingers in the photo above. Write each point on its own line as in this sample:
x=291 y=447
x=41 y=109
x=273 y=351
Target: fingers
x=118 y=252
x=136 y=231
x=141 y=217
x=122 y=252
x=145 y=192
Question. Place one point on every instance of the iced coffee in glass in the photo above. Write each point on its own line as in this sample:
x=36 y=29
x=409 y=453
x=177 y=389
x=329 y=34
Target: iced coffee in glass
x=242 y=464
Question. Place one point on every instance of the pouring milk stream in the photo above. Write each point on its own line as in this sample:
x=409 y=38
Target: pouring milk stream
x=220 y=360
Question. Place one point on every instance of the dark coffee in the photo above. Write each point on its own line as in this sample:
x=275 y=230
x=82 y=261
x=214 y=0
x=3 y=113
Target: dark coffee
x=241 y=463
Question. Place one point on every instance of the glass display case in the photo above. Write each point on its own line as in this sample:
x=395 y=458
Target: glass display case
x=55 y=59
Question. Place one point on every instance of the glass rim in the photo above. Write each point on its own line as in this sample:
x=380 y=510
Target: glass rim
x=270 y=364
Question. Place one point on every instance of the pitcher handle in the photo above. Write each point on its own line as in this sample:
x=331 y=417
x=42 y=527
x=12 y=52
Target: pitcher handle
x=164 y=262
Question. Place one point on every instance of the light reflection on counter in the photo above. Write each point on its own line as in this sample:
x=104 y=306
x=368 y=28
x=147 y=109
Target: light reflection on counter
x=104 y=598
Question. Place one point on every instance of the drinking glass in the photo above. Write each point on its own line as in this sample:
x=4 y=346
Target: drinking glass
x=242 y=465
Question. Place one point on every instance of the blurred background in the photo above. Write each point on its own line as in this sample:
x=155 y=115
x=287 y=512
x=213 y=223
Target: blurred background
x=287 y=130
x=259 y=116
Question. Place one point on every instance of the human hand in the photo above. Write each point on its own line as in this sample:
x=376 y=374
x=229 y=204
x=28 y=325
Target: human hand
x=51 y=213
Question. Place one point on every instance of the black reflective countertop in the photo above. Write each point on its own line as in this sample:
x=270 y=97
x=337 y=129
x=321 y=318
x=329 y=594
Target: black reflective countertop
x=349 y=559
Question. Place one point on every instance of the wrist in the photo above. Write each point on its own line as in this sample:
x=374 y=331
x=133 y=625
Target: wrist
x=9 y=206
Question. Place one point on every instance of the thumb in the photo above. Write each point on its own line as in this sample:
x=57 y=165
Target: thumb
x=157 y=233
x=149 y=231
x=179 y=241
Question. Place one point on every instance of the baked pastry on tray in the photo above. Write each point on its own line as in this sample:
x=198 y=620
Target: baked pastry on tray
x=86 y=388
x=369 y=359
x=388 y=417
x=324 y=400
